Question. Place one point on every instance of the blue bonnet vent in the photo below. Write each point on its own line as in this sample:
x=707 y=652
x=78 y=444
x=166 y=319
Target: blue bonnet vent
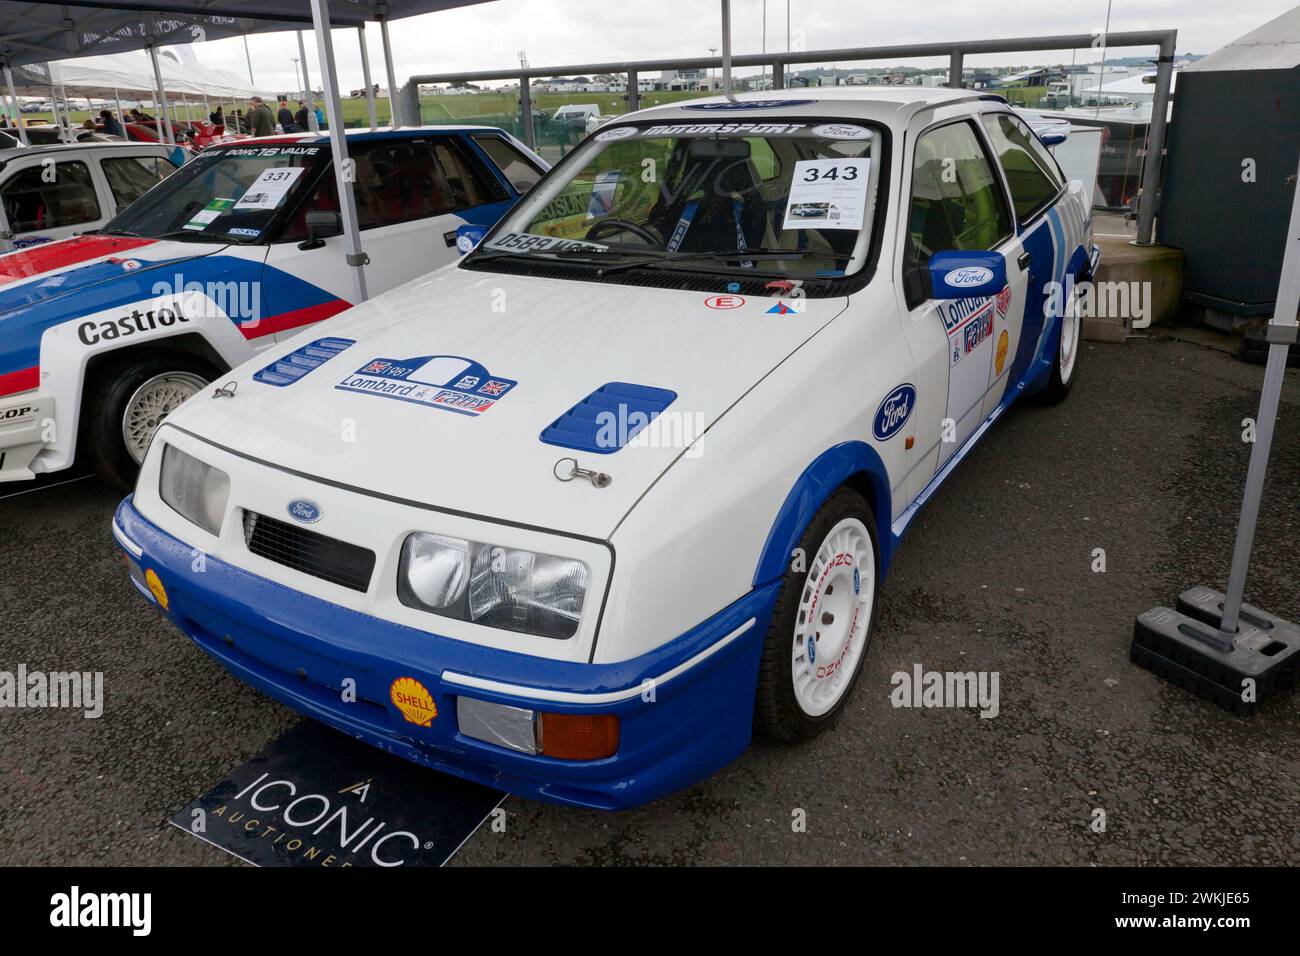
x=608 y=418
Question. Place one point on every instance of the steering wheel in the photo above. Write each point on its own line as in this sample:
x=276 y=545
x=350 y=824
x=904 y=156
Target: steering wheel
x=622 y=225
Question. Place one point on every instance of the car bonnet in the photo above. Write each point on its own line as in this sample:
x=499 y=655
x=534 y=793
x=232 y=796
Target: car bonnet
x=464 y=390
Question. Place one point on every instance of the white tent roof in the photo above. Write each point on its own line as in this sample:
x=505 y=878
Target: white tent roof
x=1274 y=46
x=132 y=72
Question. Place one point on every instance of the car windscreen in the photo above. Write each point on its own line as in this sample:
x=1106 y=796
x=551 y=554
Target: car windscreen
x=793 y=199
x=226 y=195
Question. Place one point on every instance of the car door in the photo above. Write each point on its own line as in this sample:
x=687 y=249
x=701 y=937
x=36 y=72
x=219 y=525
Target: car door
x=1035 y=184
x=47 y=198
x=955 y=200
x=412 y=195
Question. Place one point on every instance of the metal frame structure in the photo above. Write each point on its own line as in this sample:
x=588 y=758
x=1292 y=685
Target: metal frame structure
x=956 y=51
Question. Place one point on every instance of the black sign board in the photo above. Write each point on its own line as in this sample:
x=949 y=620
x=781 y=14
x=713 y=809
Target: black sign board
x=315 y=797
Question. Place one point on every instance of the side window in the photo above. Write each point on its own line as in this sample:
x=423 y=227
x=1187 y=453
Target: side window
x=36 y=198
x=1032 y=174
x=132 y=177
x=957 y=201
x=401 y=181
x=514 y=165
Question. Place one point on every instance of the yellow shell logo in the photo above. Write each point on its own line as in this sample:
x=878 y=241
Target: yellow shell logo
x=156 y=588
x=1002 y=353
x=414 y=701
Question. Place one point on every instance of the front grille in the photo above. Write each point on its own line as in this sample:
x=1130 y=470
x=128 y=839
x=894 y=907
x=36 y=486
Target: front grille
x=308 y=551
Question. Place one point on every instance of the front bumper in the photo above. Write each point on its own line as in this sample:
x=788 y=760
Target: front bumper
x=25 y=421
x=685 y=709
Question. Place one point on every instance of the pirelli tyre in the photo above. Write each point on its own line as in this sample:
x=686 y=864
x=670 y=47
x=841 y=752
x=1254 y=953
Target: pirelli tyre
x=126 y=403
x=821 y=624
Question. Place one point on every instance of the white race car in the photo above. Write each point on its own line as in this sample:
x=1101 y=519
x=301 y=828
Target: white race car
x=572 y=516
x=102 y=335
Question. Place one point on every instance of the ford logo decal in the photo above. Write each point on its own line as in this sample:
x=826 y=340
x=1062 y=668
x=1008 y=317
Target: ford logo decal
x=308 y=512
x=894 y=412
x=968 y=276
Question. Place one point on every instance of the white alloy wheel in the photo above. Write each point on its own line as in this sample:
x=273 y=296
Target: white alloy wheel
x=1070 y=326
x=153 y=401
x=830 y=632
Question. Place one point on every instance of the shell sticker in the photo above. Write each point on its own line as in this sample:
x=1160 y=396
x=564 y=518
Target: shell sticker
x=156 y=588
x=414 y=701
x=1001 y=357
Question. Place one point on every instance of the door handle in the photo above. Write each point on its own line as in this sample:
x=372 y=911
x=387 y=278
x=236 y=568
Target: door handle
x=1023 y=261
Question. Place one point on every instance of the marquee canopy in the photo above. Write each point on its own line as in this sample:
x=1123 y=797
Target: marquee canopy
x=41 y=32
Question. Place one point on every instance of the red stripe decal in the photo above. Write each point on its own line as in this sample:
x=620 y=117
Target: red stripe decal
x=59 y=255
x=295 y=319
x=23 y=380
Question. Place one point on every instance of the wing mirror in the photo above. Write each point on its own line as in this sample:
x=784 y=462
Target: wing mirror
x=966 y=275
x=321 y=223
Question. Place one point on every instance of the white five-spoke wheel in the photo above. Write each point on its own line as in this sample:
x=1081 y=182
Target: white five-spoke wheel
x=821 y=622
x=835 y=610
x=1070 y=325
x=152 y=402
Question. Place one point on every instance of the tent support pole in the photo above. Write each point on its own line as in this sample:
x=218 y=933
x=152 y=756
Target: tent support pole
x=307 y=98
x=1281 y=335
x=365 y=73
x=356 y=258
x=54 y=95
x=13 y=97
x=393 y=95
x=121 y=115
x=726 y=48
x=164 y=135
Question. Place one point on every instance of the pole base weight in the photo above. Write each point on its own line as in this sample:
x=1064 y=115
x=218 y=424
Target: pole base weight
x=1185 y=647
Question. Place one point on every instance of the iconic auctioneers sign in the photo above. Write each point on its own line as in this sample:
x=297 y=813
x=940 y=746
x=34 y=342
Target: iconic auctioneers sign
x=316 y=797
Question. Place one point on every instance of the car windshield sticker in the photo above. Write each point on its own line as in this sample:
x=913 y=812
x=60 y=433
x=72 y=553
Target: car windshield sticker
x=448 y=382
x=827 y=194
x=841 y=131
x=205 y=216
x=724 y=129
x=269 y=189
x=289 y=368
x=602 y=194
x=744 y=105
x=529 y=242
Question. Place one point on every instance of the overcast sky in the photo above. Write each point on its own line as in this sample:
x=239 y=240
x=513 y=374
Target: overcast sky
x=559 y=32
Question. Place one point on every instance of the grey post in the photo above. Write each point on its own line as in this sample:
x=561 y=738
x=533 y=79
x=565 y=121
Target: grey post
x=409 y=98
x=633 y=91
x=526 y=108
x=726 y=47
x=394 y=103
x=164 y=129
x=955 y=60
x=365 y=75
x=1155 y=142
x=778 y=75
x=1281 y=334
x=13 y=96
x=356 y=258
x=312 y=123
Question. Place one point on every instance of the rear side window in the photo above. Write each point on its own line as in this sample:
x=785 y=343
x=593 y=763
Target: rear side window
x=401 y=181
x=131 y=177
x=1032 y=174
x=957 y=201
x=40 y=197
x=514 y=165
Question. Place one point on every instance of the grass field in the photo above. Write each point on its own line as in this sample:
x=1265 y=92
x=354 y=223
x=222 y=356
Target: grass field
x=493 y=108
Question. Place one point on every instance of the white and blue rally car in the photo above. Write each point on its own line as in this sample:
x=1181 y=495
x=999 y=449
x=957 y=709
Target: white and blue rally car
x=103 y=334
x=575 y=515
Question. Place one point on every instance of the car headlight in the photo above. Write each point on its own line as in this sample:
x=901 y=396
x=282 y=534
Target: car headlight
x=505 y=588
x=196 y=491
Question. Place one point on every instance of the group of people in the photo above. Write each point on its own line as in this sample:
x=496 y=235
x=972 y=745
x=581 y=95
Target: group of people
x=261 y=122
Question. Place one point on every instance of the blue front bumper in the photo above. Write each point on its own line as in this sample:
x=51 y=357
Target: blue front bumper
x=299 y=649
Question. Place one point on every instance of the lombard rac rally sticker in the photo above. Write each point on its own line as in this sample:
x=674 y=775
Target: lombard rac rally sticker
x=894 y=412
x=414 y=701
x=448 y=382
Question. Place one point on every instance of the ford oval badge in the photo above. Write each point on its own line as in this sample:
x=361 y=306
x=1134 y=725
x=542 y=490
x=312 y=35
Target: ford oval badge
x=894 y=412
x=308 y=512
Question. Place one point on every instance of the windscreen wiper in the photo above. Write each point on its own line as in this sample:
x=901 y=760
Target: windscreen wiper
x=731 y=255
